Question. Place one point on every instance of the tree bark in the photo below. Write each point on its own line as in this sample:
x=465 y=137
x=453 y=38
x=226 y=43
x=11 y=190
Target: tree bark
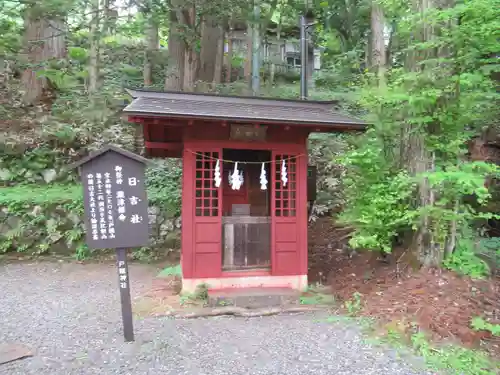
x=427 y=247
x=209 y=48
x=248 y=61
x=378 y=55
x=94 y=49
x=190 y=69
x=219 y=58
x=229 y=56
x=151 y=47
x=191 y=57
x=44 y=39
x=176 y=56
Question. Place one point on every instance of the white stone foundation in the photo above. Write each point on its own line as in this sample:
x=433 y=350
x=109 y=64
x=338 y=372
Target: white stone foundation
x=297 y=282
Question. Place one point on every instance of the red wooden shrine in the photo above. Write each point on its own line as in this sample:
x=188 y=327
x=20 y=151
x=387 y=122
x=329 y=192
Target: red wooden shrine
x=252 y=236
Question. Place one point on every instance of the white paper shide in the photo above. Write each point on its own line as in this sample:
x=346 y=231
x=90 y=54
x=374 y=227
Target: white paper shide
x=236 y=178
x=217 y=177
x=284 y=174
x=263 y=178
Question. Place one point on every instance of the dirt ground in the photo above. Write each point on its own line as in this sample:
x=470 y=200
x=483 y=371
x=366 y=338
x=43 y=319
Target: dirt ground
x=440 y=302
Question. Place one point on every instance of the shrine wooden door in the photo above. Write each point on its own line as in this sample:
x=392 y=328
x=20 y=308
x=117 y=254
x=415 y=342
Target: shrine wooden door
x=203 y=234
x=285 y=215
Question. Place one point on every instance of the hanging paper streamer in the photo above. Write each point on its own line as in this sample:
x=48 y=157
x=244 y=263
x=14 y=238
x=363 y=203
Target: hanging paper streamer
x=241 y=178
x=217 y=178
x=263 y=179
x=236 y=179
x=284 y=177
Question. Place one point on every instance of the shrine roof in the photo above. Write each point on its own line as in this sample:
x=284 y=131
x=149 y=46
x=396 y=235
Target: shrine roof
x=148 y=103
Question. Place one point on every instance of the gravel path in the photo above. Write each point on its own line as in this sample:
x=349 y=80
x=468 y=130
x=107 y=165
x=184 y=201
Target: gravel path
x=69 y=314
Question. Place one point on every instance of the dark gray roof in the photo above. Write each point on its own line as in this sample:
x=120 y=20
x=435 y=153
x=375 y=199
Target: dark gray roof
x=193 y=105
x=105 y=149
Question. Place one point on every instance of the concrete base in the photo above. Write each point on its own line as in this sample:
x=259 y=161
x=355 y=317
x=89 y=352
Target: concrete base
x=296 y=282
x=253 y=298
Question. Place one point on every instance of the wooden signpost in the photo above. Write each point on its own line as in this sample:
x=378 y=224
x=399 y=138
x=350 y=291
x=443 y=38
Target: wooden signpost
x=116 y=211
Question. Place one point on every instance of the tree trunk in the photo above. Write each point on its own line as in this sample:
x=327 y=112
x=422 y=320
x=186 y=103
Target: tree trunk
x=219 y=58
x=151 y=47
x=229 y=57
x=209 y=48
x=93 y=83
x=378 y=55
x=191 y=57
x=248 y=62
x=427 y=248
x=190 y=69
x=44 y=39
x=176 y=56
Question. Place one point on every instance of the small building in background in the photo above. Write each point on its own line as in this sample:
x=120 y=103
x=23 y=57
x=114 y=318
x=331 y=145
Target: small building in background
x=279 y=49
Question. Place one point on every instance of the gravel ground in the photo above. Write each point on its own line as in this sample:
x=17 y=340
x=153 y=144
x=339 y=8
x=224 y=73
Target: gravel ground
x=69 y=314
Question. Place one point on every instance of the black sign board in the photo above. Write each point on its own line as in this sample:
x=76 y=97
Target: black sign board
x=116 y=211
x=116 y=205
x=312 y=172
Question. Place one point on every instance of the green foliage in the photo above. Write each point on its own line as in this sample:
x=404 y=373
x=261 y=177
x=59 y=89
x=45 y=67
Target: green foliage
x=164 y=183
x=24 y=195
x=479 y=324
x=489 y=249
x=425 y=114
x=465 y=261
x=354 y=305
x=171 y=271
x=452 y=359
x=377 y=199
x=323 y=149
x=38 y=164
x=199 y=295
x=35 y=220
x=10 y=42
x=447 y=359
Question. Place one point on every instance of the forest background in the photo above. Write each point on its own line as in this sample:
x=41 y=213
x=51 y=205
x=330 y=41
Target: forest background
x=424 y=73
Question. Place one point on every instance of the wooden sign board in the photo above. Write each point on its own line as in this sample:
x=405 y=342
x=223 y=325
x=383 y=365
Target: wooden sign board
x=116 y=205
x=116 y=212
x=248 y=133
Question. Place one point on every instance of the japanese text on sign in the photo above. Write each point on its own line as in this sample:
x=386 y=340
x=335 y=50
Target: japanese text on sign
x=115 y=198
x=101 y=204
x=122 y=274
x=121 y=199
x=92 y=206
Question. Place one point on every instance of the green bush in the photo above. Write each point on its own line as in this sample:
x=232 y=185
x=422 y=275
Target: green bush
x=36 y=218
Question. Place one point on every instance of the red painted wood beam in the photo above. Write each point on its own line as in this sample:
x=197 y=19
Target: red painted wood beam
x=164 y=145
x=135 y=119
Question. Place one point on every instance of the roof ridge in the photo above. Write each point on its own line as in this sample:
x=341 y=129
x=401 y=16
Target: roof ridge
x=135 y=94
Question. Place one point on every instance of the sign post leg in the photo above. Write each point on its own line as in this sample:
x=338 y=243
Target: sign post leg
x=126 y=303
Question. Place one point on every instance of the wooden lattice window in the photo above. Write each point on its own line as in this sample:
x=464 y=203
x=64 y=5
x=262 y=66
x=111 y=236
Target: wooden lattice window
x=285 y=197
x=206 y=194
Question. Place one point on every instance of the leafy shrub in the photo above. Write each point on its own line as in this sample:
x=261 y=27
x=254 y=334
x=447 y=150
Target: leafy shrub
x=479 y=324
x=34 y=219
x=163 y=180
x=465 y=261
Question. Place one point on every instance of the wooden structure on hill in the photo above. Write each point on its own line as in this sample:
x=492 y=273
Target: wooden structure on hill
x=244 y=184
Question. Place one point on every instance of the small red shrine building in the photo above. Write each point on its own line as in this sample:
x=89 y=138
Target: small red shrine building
x=244 y=183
